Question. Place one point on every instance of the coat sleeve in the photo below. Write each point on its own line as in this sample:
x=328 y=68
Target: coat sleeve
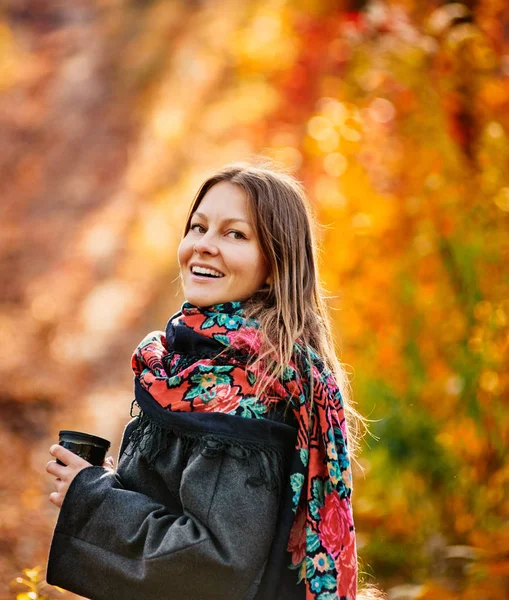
x=112 y=542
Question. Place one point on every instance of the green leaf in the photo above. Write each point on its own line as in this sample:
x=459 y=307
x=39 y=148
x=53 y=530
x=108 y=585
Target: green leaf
x=317 y=490
x=297 y=481
x=312 y=542
x=327 y=596
x=328 y=582
x=251 y=377
x=173 y=382
x=193 y=392
x=310 y=568
x=252 y=407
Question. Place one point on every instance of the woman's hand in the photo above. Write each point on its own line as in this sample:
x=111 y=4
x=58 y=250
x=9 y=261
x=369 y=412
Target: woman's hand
x=65 y=474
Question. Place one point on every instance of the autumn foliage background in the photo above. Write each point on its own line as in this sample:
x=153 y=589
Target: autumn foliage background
x=396 y=117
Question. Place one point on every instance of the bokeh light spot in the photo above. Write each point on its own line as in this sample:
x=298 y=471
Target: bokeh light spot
x=335 y=164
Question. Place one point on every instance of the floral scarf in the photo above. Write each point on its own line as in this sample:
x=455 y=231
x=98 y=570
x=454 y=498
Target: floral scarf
x=322 y=538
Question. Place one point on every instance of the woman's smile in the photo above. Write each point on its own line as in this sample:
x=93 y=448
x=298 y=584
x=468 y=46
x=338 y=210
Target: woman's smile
x=205 y=273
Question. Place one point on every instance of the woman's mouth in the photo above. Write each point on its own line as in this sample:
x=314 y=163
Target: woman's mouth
x=205 y=273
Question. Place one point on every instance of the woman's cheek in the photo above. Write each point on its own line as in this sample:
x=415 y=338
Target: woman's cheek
x=184 y=252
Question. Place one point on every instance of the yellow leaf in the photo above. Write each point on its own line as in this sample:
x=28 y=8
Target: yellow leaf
x=32 y=574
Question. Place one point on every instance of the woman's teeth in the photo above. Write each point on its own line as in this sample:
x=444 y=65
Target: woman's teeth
x=204 y=271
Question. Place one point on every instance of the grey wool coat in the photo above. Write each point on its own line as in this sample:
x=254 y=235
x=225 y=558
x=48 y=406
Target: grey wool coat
x=199 y=509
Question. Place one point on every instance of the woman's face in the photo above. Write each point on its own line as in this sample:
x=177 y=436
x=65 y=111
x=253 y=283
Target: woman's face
x=220 y=258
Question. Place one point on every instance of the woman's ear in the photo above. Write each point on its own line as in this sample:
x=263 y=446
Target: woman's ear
x=268 y=281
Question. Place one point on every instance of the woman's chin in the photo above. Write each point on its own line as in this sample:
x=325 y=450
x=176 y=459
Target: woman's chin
x=203 y=296
x=202 y=300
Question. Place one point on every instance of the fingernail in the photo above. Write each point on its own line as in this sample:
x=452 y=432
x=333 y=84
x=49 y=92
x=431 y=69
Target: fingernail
x=53 y=449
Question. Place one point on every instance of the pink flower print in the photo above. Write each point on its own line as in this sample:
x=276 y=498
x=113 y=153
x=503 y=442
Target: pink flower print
x=346 y=565
x=297 y=541
x=246 y=337
x=335 y=523
x=225 y=399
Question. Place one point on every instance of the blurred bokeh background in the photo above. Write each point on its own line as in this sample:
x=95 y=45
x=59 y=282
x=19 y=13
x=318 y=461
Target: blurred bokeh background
x=394 y=114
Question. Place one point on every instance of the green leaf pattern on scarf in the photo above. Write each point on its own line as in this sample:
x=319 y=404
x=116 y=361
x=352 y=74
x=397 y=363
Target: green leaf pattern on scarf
x=251 y=407
x=205 y=381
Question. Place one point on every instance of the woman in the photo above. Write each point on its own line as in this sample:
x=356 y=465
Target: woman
x=234 y=480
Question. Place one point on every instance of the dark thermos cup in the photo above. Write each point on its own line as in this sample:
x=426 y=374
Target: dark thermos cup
x=89 y=447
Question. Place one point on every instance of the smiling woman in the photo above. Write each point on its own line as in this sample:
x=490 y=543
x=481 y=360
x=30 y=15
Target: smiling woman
x=234 y=480
x=220 y=256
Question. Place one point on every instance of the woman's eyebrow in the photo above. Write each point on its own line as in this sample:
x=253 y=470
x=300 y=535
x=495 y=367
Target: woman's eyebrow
x=226 y=221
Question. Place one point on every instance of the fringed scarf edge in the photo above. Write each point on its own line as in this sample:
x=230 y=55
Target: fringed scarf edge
x=151 y=436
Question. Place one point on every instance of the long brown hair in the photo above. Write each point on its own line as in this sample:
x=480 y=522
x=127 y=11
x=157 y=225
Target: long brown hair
x=292 y=308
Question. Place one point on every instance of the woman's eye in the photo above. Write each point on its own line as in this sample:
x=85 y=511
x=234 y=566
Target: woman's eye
x=237 y=235
x=197 y=227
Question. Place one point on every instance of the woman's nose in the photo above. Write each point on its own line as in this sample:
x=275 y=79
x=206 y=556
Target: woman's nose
x=206 y=245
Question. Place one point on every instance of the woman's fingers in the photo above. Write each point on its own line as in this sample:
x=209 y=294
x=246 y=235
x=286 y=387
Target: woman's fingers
x=61 y=486
x=53 y=468
x=64 y=474
x=62 y=454
x=56 y=499
x=67 y=457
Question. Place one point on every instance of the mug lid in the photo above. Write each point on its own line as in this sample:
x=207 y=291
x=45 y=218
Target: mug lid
x=81 y=436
